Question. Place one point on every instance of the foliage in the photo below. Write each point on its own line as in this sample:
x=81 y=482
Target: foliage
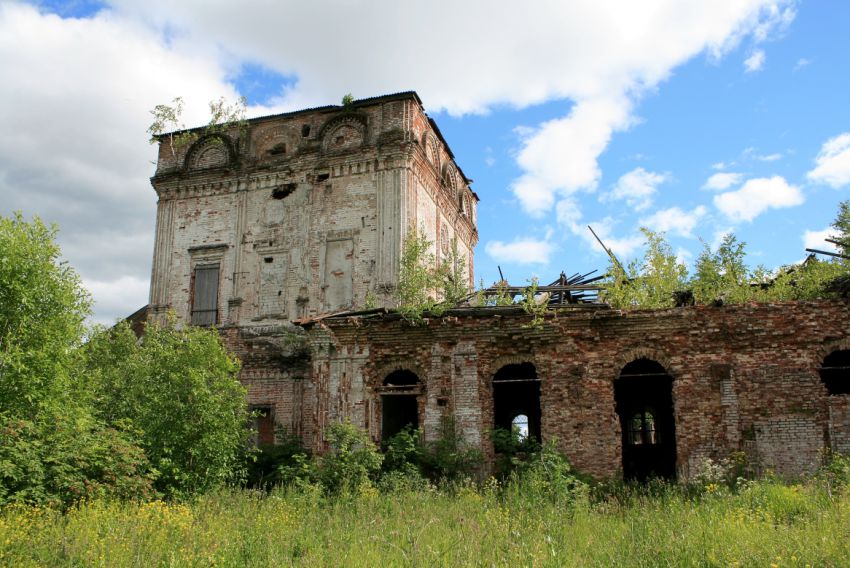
x=167 y=120
x=512 y=450
x=722 y=273
x=403 y=452
x=841 y=224
x=648 y=282
x=423 y=286
x=267 y=466
x=548 y=475
x=352 y=462
x=42 y=310
x=721 y=276
x=178 y=386
x=766 y=523
x=534 y=305
x=449 y=457
x=347 y=100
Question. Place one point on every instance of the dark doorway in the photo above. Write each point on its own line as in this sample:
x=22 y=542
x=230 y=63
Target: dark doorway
x=644 y=396
x=835 y=372
x=516 y=399
x=399 y=403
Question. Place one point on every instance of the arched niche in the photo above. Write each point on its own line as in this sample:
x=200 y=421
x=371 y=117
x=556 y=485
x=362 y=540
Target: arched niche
x=211 y=151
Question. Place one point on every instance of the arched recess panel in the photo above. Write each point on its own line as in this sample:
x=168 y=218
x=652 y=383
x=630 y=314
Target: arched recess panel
x=399 y=403
x=643 y=393
x=835 y=372
x=516 y=392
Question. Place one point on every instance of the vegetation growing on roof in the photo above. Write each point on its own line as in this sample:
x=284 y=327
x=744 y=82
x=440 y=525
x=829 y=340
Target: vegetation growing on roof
x=721 y=275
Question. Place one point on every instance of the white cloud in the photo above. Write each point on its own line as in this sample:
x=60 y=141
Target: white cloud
x=815 y=239
x=752 y=154
x=720 y=165
x=622 y=247
x=802 y=62
x=599 y=56
x=723 y=180
x=560 y=156
x=114 y=297
x=77 y=91
x=832 y=165
x=637 y=188
x=756 y=196
x=755 y=62
x=520 y=251
x=76 y=96
x=675 y=220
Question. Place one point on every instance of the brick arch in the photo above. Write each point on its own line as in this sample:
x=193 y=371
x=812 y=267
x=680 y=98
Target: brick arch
x=659 y=357
x=375 y=377
x=219 y=142
x=354 y=120
x=504 y=360
x=827 y=348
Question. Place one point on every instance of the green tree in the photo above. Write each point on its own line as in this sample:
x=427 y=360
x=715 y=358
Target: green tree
x=425 y=286
x=648 y=282
x=42 y=311
x=722 y=273
x=179 y=387
x=52 y=449
x=841 y=224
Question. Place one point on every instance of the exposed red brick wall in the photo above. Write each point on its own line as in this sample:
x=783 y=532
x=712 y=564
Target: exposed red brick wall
x=744 y=377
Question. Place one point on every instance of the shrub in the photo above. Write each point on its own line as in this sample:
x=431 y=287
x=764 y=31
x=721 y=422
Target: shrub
x=449 y=457
x=353 y=461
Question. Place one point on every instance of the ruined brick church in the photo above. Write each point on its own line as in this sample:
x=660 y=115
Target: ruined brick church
x=282 y=232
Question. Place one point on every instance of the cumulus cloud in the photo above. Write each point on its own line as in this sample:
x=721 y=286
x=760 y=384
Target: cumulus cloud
x=755 y=61
x=598 y=56
x=832 y=165
x=77 y=90
x=113 y=297
x=815 y=239
x=723 y=180
x=79 y=154
x=637 y=188
x=520 y=251
x=757 y=196
x=675 y=220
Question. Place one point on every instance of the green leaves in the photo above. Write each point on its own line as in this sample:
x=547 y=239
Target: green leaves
x=721 y=276
x=179 y=387
x=423 y=284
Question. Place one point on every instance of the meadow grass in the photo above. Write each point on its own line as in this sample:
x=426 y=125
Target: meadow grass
x=765 y=523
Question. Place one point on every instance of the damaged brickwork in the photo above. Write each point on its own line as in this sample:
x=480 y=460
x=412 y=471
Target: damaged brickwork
x=744 y=378
x=301 y=216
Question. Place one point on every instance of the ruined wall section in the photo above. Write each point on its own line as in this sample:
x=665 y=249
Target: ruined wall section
x=745 y=378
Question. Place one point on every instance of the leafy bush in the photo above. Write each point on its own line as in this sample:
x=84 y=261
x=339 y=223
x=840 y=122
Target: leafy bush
x=547 y=475
x=68 y=458
x=179 y=388
x=353 y=461
x=267 y=465
x=449 y=457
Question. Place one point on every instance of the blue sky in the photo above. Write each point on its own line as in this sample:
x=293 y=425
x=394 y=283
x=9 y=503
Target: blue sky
x=694 y=118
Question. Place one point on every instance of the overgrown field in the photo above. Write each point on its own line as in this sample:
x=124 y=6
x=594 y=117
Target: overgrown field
x=760 y=524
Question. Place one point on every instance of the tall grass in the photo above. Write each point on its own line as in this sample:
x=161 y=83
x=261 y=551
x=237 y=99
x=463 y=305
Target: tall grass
x=764 y=523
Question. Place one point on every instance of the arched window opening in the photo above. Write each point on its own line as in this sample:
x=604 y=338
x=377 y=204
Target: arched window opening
x=516 y=400
x=520 y=427
x=835 y=372
x=399 y=402
x=644 y=396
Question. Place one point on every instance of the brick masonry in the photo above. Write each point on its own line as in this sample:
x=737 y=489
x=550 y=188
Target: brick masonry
x=745 y=378
x=304 y=214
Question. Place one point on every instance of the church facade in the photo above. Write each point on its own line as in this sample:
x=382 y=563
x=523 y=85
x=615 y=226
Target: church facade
x=286 y=234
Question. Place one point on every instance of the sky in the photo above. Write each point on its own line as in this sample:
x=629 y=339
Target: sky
x=689 y=117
